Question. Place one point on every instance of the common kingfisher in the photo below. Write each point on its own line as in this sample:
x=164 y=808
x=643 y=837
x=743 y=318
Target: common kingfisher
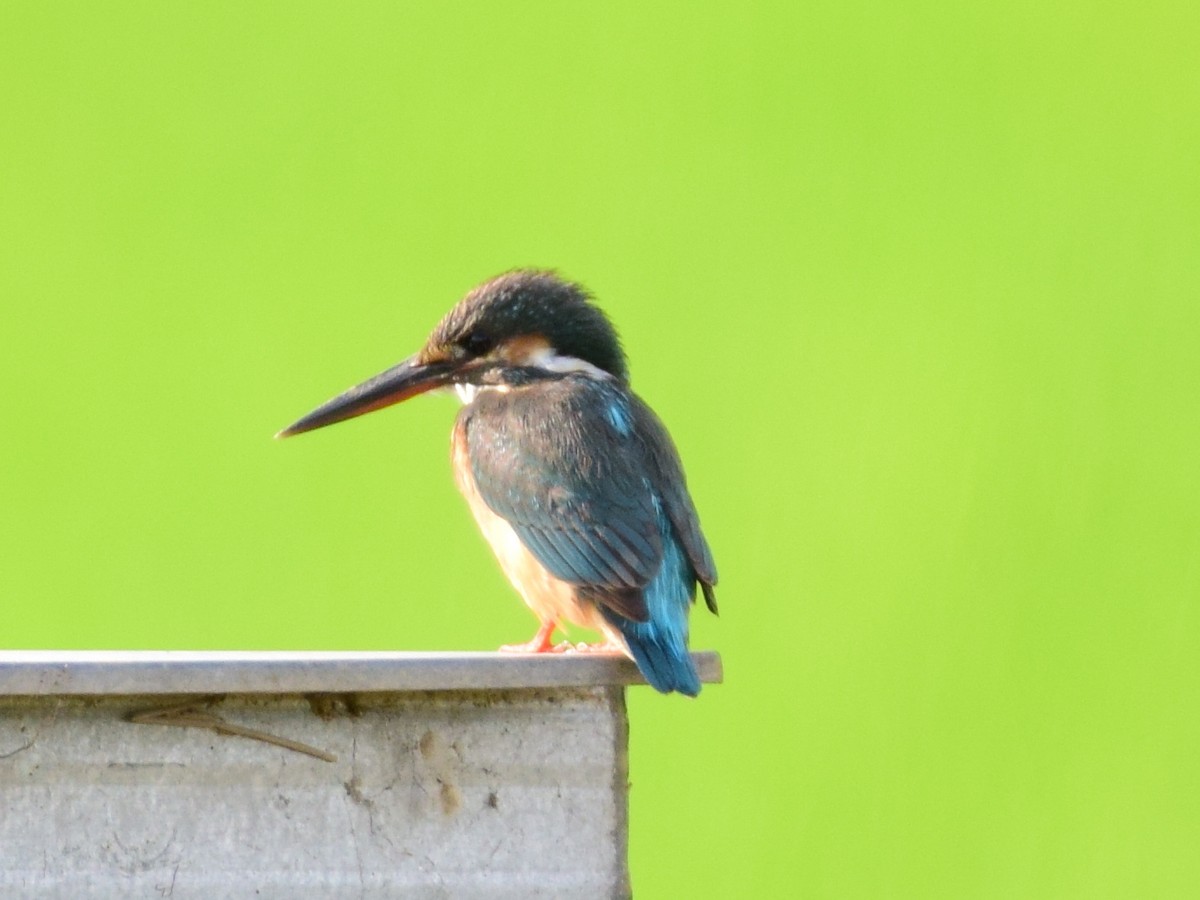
x=572 y=478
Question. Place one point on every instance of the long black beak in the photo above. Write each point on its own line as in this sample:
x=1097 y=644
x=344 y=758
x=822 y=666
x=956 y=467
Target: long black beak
x=401 y=381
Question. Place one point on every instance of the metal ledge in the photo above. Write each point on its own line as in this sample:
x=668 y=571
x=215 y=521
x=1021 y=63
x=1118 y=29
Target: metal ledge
x=116 y=672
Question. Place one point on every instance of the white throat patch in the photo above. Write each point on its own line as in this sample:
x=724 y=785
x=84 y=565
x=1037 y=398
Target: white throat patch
x=468 y=392
x=546 y=358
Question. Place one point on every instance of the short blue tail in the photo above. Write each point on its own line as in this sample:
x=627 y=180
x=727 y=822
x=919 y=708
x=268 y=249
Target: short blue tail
x=660 y=645
x=661 y=656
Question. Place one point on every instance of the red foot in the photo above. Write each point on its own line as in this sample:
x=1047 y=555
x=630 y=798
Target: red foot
x=539 y=644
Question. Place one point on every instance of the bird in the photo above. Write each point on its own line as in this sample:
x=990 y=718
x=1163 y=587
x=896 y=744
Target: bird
x=572 y=478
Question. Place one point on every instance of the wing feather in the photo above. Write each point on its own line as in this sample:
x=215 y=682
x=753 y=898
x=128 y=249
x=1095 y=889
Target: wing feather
x=573 y=486
x=671 y=483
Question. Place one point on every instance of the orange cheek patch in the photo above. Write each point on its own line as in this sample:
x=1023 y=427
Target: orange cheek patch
x=520 y=351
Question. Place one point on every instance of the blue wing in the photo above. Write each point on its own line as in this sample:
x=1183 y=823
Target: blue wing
x=669 y=480
x=591 y=483
x=573 y=484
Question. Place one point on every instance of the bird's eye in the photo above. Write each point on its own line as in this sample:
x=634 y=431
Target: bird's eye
x=476 y=343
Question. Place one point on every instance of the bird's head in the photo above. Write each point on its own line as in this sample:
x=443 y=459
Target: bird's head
x=526 y=322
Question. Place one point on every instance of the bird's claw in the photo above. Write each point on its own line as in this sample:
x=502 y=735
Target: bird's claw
x=540 y=642
x=533 y=646
x=540 y=645
x=582 y=647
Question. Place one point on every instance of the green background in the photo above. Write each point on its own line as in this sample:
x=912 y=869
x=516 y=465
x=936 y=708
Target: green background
x=913 y=284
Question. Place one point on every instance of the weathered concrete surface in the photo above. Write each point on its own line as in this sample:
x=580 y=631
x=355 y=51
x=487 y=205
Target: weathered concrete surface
x=503 y=793
x=279 y=672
